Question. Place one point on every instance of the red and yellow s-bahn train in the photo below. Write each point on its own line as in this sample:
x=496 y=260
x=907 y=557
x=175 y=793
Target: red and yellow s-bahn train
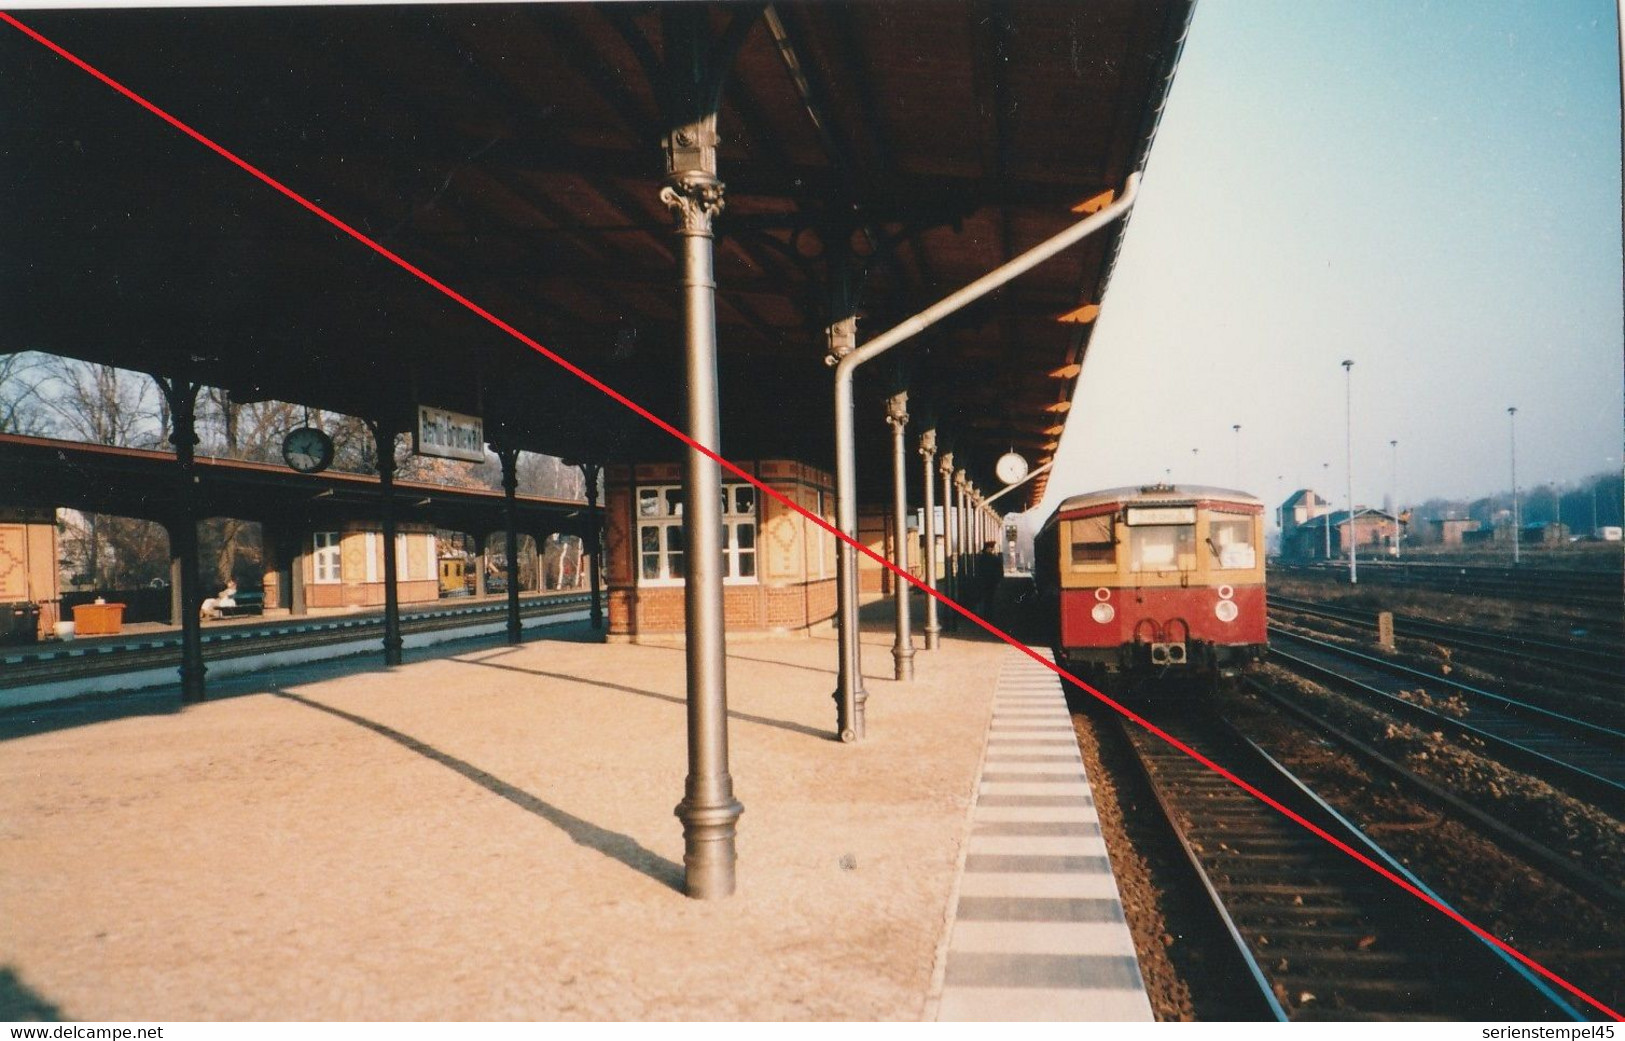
x=1162 y=580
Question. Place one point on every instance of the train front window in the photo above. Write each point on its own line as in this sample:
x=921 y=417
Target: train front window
x=1231 y=543
x=1162 y=547
x=1093 y=544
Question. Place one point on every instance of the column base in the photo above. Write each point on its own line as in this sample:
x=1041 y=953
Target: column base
x=904 y=659
x=850 y=730
x=192 y=686
x=708 y=848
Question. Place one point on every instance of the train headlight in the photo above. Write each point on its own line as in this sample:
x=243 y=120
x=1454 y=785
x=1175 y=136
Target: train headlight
x=1103 y=593
x=1102 y=612
x=1226 y=592
x=1226 y=610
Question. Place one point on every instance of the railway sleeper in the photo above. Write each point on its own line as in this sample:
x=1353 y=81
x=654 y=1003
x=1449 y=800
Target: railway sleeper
x=1287 y=890
x=1380 y=994
x=1287 y=937
x=1322 y=962
x=1297 y=855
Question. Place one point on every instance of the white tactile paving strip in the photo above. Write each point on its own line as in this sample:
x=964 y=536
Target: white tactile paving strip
x=1038 y=931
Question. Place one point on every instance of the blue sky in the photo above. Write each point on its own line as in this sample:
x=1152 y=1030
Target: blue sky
x=1429 y=189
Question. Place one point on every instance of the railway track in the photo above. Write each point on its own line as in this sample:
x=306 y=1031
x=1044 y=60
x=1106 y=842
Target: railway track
x=1321 y=936
x=1581 y=757
x=1589 y=589
x=1590 y=660
x=21 y=670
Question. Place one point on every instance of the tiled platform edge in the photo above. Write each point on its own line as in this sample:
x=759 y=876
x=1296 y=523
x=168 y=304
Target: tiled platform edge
x=1038 y=931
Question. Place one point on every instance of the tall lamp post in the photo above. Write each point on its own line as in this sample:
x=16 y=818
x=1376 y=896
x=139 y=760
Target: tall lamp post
x=1517 y=522
x=1326 y=523
x=1395 y=446
x=1348 y=441
x=1237 y=428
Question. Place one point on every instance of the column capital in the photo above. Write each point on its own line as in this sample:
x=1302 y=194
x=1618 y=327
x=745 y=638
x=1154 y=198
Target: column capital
x=897 y=410
x=946 y=463
x=842 y=334
x=928 y=442
x=695 y=198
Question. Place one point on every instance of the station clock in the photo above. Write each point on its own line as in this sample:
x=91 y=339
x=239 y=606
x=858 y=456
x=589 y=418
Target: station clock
x=307 y=450
x=1010 y=468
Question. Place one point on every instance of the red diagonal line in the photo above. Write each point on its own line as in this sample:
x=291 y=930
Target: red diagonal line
x=780 y=497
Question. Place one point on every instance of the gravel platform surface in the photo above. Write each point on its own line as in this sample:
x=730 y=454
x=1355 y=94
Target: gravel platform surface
x=490 y=836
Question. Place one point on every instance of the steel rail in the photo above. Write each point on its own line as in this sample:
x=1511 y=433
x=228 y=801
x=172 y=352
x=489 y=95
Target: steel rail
x=262 y=639
x=1599 y=663
x=1607 y=791
x=1307 y=925
x=1511 y=836
x=1566 y=588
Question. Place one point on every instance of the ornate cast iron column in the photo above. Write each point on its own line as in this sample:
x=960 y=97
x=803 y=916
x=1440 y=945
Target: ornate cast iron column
x=850 y=694
x=950 y=534
x=594 y=542
x=903 y=644
x=965 y=588
x=384 y=438
x=708 y=810
x=928 y=536
x=183 y=542
x=510 y=524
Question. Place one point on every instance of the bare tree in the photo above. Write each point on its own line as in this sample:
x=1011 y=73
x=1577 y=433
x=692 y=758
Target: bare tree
x=102 y=404
x=22 y=408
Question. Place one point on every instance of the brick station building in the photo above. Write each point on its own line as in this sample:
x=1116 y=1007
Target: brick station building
x=779 y=566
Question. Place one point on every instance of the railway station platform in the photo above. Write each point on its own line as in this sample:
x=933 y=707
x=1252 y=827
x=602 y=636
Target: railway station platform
x=488 y=834
x=144 y=655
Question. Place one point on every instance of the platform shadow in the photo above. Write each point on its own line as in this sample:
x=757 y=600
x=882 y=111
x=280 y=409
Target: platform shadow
x=743 y=717
x=20 y=1003
x=612 y=844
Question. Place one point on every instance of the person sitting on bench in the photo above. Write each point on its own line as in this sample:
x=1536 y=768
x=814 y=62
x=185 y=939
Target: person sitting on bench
x=212 y=607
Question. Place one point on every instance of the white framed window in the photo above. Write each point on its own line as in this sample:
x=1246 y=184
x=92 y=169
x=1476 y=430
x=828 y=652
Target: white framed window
x=660 y=534
x=326 y=557
x=739 y=531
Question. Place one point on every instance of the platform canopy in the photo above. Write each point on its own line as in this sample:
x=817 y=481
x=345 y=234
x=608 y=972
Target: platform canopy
x=514 y=152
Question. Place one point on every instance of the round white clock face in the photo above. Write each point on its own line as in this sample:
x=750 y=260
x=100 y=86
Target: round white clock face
x=1010 y=468
x=307 y=450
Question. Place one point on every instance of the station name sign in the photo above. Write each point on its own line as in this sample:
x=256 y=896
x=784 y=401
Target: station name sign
x=449 y=435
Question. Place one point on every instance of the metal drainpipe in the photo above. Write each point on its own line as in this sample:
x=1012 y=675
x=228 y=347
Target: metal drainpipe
x=903 y=644
x=846 y=479
x=928 y=537
x=1007 y=489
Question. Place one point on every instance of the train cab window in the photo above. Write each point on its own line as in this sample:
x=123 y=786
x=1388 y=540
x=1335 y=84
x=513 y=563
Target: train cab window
x=1094 y=546
x=1162 y=547
x=1231 y=542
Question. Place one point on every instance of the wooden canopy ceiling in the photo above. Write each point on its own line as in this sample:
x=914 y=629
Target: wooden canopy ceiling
x=514 y=153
